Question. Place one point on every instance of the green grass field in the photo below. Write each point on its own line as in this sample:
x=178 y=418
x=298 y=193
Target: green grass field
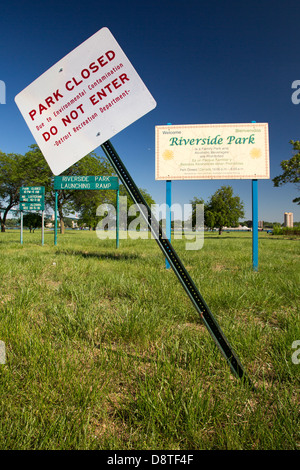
x=104 y=350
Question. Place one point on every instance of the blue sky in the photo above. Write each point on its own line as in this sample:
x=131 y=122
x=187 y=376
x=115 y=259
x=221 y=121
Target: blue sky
x=203 y=61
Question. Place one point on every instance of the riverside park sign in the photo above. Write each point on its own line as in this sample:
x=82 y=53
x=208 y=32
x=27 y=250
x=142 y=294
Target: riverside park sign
x=83 y=100
x=212 y=151
x=86 y=182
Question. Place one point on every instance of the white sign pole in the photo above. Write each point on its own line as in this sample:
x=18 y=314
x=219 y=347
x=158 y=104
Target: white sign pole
x=168 y=212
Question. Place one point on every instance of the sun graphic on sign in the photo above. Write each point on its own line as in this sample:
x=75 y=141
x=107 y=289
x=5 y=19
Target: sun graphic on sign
x=168 y=155
x=255 y=153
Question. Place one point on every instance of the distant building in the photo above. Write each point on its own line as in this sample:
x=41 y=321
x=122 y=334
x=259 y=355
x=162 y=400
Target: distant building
x=260 y=224
x=288 y=219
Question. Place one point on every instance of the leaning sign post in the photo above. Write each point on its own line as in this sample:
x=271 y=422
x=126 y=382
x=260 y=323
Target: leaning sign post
x=32 y=198
x=86 y=183
x=215 y=151
x=79 y=104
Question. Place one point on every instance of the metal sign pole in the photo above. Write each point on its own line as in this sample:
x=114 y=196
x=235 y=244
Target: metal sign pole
x=168 y=211
x=117 y=219
x=178 y=268
x=42 y=228
x=254 y=225
x=21 y=229
x=168 y=214
x=55 y=218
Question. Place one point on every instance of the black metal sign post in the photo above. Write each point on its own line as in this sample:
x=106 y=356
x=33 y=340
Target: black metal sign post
x=175 y=262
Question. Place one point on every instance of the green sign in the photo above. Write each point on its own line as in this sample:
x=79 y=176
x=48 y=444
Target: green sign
x=32 y=190
x=39 y=198
x=32 y=198
x=32 y=206
x=86 y=182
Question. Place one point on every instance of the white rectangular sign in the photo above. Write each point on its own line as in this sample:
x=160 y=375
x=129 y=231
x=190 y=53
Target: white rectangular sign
x=83 y=100
x=212 y=151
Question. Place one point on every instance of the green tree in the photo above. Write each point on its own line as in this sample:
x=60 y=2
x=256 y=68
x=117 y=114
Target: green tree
x=210 y=219
x=86 y=203
x=68 y=222
x=223 y=208
x=291 y=170
x=11 y=222
x=249 y=223
x=15 y=171
x=32 y=220
x=194 y=203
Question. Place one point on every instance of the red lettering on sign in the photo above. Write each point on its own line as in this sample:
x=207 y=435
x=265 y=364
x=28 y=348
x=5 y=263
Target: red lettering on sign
x=57 y=95
x=32 y=114
x=49 y=102
x=93 y=67
x=108 y=88
x=124 y=78
x=115 y=83
x=73 y=115
x=93 y=101
x=110 y=55
x=69 y=87
x=85 y=73
x=102 y=61
x=47 y=135
x=42 y=108
x=75 y=81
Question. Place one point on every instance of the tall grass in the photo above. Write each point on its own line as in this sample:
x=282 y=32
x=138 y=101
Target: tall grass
x=105 y=351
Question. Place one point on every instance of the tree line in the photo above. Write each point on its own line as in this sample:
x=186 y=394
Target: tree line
x=31 y=169
x=222 y=209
